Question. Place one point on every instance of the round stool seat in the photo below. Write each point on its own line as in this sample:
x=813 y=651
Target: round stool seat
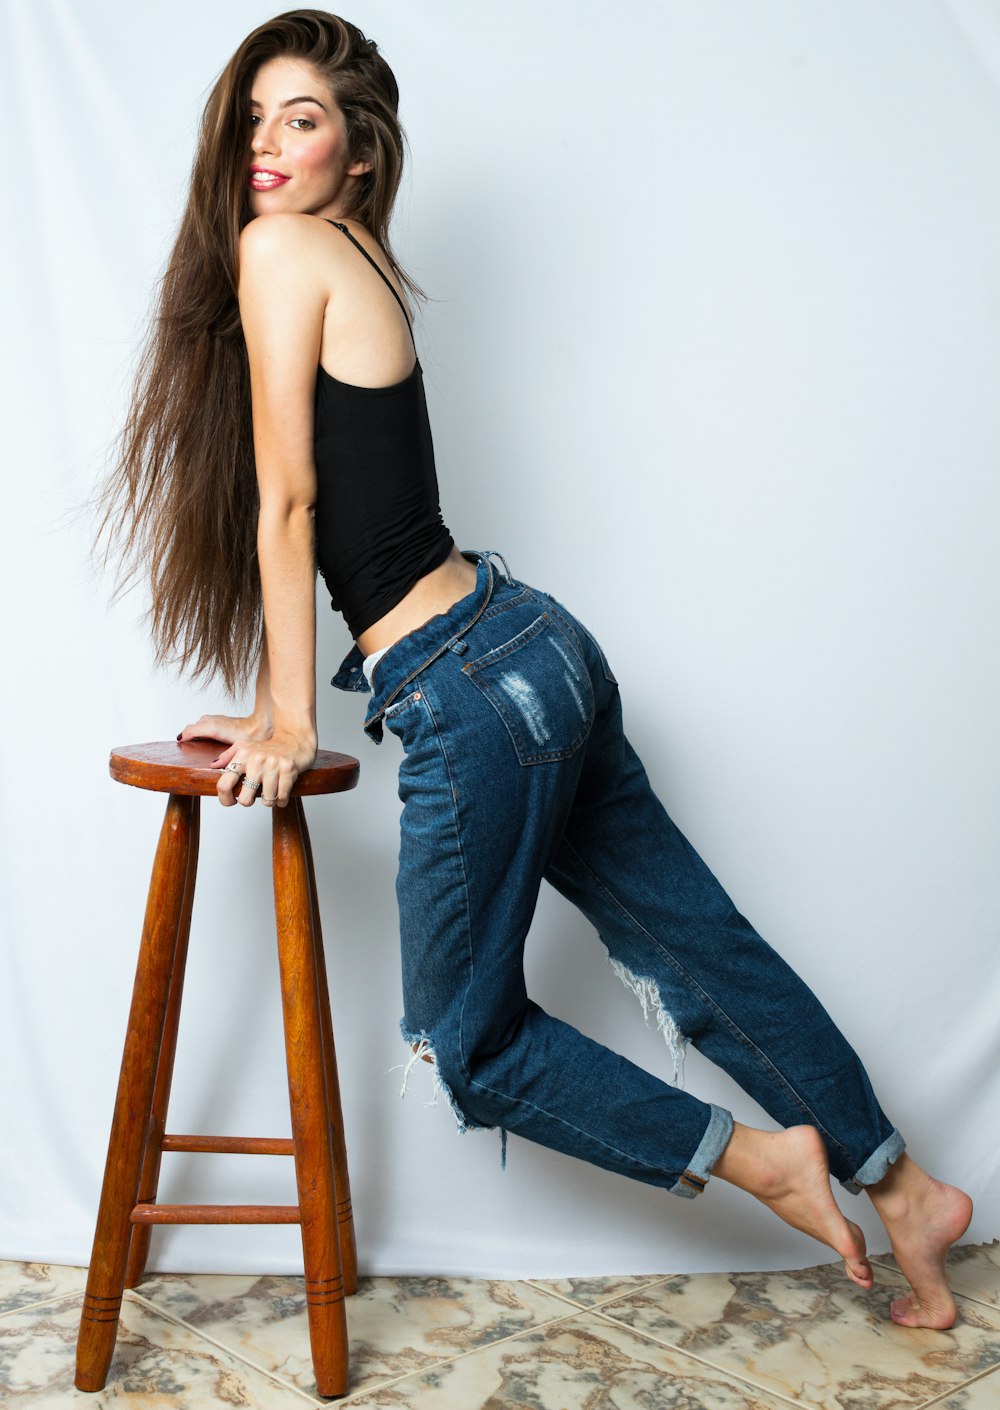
x=174 y=766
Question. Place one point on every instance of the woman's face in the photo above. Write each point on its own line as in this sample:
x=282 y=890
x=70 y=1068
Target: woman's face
x=298 y=157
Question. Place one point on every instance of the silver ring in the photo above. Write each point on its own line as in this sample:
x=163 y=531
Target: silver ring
x=268 y=801
x=233 y=769
x=248 y=783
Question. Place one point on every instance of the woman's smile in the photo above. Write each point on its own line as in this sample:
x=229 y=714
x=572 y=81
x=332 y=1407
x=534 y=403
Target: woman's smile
x=263 y=178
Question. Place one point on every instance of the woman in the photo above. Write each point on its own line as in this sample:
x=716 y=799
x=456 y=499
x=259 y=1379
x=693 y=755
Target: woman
x=280 y=422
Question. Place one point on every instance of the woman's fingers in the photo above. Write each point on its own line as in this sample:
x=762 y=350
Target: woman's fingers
x=248 y=792
x=230 y=780
x=269 y=793
x=264 y=768
x=224 y=728
x=284 y=782
x=250 y=773
x=275 y=787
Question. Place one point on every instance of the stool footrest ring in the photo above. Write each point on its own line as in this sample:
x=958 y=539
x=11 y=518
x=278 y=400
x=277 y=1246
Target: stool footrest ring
x=216 y=1214
x=231 y=1145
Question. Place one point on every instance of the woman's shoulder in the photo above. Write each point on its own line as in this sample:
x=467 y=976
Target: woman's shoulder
x=310 y=242
x=281 y=232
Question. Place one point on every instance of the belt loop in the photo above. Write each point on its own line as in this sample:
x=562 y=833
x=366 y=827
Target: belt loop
x=492 y=553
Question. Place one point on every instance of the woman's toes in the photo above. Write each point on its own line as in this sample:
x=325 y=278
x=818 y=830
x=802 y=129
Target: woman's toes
x=852 y=1250
x=901 y=1311
x=860 y=1272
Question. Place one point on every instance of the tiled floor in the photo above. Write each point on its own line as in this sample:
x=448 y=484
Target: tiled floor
x=704 y=1341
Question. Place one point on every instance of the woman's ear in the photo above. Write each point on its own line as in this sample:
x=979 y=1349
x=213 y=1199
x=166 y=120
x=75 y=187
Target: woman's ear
x=360 y=167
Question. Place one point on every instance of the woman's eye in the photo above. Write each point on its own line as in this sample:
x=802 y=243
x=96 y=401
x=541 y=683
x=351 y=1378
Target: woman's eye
x=308 y=124
x=254 y=119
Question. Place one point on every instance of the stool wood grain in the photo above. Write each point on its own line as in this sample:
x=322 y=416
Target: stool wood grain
x=128 y=1207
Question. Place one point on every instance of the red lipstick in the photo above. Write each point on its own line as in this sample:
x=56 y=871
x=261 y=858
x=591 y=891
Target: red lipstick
x=262 y=178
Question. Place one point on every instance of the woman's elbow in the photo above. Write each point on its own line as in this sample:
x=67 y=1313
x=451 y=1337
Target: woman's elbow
x=285 y=514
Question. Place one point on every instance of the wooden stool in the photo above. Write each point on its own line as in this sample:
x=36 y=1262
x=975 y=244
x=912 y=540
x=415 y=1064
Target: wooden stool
x=128 y=1209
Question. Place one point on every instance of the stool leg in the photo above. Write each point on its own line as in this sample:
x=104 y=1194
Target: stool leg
x=129 y=1128
x=345 y=1213
x=149 y=1181
x=314 y=1172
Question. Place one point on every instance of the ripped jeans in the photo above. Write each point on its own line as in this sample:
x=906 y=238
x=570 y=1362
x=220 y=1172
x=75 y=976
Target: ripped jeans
x=516 y=770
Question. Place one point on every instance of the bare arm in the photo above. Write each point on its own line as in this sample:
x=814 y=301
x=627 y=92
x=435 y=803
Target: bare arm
x=232 y=729
x=282 y=301
x=263 y=710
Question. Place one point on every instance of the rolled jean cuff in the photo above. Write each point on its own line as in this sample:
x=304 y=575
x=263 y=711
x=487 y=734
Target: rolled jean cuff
x=710 y=1147
x=877 y=1163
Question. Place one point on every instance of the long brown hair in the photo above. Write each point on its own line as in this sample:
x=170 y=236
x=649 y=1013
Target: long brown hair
x=182 y=500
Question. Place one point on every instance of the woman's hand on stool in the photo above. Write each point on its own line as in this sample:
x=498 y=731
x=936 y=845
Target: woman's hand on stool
x=264 y=767
x=228 y=729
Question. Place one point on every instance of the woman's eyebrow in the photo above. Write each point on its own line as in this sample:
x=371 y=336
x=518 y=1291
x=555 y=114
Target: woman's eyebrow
x=291 y=102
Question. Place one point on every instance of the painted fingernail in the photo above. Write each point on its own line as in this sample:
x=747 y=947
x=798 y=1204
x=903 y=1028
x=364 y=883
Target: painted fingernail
x=180 y=734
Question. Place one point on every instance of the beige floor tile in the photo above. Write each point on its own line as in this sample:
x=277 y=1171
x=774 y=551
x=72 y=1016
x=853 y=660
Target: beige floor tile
x=156 y=1364
x=583 y=1363
x=592 y=1292
x=983 y=1394
x=395 y=1325
x=973 y=1270
x=812 y=1336
x=24 y=1283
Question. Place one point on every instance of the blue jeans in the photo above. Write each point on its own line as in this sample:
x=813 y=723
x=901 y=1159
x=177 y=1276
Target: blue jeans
x=516 y=769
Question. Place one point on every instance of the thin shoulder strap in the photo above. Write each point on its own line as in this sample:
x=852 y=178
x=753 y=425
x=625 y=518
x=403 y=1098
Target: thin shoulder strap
x=378 y=271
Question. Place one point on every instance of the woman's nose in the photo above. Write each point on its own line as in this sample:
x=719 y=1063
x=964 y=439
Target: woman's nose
x=263 y=139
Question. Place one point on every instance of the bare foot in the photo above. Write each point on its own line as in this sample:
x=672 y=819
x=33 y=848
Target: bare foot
x=789 y=1172
x=923 y=1218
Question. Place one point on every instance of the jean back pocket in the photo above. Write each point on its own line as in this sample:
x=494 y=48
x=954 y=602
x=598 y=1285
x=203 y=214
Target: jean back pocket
x=539 y=685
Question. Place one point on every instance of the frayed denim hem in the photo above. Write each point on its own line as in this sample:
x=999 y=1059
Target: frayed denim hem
x=710 y=1147
x=422 y=1051
x=877 y=1164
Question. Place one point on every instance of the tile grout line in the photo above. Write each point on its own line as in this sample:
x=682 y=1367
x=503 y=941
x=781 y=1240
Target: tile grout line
x=971 y=1297
x=591 y=1307
x=577 y=1310
x=769 y=1390
x=221 y=1345
x=645 y=1287
x=362 y=1390
x=714 y=1365
x=956 y=1292
x=40 y=1302
x=963 y=1385
x=449 y=1360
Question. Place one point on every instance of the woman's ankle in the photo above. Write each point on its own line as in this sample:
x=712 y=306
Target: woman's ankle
x=748 y=1159
x=892 y=1195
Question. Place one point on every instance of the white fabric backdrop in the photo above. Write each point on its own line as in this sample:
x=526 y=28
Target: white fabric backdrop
x=713 y=356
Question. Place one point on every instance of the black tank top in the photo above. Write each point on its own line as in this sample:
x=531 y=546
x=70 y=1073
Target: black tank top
x=378 y=517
